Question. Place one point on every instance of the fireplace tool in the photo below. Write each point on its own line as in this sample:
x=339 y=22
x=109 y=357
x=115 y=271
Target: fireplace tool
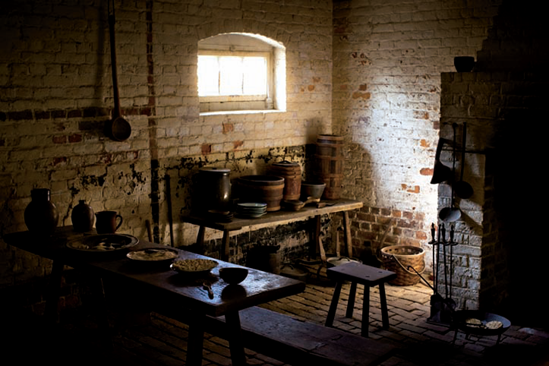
x=442 y=308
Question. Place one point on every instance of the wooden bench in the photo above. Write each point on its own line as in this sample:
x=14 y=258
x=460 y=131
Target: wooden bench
x=302 y=343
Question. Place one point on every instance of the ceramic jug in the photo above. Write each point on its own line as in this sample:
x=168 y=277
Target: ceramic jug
x=82 y=217
x=107 y=222
x=41 y=216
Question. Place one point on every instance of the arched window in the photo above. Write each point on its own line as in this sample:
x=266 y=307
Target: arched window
x=241 y=72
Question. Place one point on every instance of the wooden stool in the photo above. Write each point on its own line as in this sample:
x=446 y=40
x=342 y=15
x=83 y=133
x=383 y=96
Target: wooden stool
x=367 y=276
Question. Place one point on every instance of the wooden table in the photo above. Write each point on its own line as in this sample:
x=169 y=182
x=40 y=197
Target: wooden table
x=309 y=211
x=163 y=290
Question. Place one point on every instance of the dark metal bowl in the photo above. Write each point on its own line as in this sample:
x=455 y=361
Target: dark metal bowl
x=233 y=275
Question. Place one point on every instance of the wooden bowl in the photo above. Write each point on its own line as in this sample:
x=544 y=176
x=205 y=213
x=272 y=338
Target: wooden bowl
x=233 y=275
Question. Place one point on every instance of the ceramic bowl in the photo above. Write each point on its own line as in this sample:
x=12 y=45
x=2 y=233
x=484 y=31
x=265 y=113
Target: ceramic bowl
x=233 y=275
x=311 y=189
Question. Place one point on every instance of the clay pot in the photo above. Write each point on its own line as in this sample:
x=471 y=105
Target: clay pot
x=41 y=216
x=82 y=217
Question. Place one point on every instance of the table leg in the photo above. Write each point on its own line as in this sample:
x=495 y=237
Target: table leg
x=236 y=344
x=52 y=295
x=383 y=301
x=351 y=302
x=98 y=291
x=318 y=241
x=225 y=246
x=200 y=236
x=347 y=233
x=366 y=311
x=333 y=306
x=196 y=340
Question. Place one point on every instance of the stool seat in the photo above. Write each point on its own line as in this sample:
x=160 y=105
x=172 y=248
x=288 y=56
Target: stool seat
x=365 y=275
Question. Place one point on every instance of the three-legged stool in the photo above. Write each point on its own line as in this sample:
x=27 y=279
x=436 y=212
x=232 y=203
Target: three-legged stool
x=369 y=277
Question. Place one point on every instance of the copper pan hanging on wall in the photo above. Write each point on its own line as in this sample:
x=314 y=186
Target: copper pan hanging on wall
x=118 y=128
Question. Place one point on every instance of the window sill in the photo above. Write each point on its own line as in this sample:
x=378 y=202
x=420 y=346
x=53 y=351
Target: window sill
x=217 y=113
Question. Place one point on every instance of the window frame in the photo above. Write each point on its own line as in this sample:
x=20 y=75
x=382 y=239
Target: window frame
x=240 y=98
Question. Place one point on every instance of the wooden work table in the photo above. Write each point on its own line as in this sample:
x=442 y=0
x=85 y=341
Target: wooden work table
x=310 y=211
x=180 y=296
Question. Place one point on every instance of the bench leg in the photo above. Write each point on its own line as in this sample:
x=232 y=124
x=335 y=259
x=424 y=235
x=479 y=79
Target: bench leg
x=333 y=306
x=366 y=312
x=236 y=345
x=351 y=302
x=384 y=311
x=52 y=296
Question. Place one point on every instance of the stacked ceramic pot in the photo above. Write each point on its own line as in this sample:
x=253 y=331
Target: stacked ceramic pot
x=329 y=164
x=291 y=172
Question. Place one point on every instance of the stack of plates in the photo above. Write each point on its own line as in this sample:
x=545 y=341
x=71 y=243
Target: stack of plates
x=251 y=210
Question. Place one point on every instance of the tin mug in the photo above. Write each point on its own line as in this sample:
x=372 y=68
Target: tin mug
x=106 y=222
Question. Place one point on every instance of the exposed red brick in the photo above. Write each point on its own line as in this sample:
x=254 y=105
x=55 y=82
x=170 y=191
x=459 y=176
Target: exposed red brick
x=396 y=213
x=385 y=211
x=75 y=113
x=19 y=116
x=424 y=143
x=58 y=114
x=42 y=115
x=343 y=87
x=206 y=149
x=358 y=95
x=59 y=139
x=238 y=144
x=75 y=138
x=57 y=161
x=426 y=171
x=228 y=127
x=408 y=215
x=311 y=87
x=365 y=217
x=363 y=87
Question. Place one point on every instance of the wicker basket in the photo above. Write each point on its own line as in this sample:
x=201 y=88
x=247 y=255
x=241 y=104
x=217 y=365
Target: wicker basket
x=398 y=258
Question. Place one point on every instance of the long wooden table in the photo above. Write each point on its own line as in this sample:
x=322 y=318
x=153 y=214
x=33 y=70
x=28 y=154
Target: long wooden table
x=160 y=288
x=310 y=211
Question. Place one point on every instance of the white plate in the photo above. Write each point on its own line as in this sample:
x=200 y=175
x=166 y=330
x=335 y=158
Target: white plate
x=102 y=243
x=252 y=205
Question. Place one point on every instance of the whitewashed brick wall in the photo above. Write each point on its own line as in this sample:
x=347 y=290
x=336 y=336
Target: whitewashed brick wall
x=388 y=57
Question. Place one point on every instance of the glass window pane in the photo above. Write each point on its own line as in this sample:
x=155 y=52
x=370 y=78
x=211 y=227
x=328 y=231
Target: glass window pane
x=255 y=75
x=208 y=75
x=231 y=75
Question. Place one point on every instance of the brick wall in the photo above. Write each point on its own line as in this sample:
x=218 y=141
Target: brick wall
x=369 y=70
x=498 y=262
x=388 y=57
x=57 y=94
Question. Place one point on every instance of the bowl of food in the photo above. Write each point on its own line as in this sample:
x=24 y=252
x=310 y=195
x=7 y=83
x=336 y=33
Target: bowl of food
x=193 y=266
x=233 y=275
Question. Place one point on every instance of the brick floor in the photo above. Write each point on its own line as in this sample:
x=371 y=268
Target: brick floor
x=163 y=341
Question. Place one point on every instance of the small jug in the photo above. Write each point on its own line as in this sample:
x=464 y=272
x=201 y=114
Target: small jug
x=106 y=222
